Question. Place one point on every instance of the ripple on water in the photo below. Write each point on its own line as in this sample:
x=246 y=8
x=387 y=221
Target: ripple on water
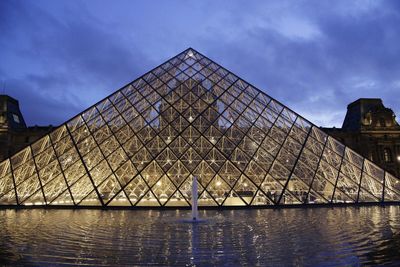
x=313 y=237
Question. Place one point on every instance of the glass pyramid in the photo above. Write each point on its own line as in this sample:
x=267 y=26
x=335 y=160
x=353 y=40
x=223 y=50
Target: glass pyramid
x=142 y=145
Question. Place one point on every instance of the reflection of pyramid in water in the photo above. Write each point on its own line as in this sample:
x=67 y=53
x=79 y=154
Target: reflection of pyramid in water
x=190 y=117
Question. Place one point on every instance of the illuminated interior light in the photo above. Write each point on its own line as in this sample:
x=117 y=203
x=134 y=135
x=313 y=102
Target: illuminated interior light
x=398 y=158
x=245 y=184
x=218 y=183
x=190 y=118
x=159 y=183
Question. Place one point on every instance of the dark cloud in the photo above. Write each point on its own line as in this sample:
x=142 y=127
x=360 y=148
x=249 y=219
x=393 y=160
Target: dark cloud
x=314 y=56
x=71 y=62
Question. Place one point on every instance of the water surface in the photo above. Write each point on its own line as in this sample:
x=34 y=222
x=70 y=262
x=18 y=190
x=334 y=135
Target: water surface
x=347 y=236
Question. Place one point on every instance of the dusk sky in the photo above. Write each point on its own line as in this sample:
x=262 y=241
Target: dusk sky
x=60 y=57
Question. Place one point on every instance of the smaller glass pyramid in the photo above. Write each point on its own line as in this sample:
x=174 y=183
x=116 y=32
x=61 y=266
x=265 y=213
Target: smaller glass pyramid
x=142 y=146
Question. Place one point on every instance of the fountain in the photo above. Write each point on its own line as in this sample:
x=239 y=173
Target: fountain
x=195 y=212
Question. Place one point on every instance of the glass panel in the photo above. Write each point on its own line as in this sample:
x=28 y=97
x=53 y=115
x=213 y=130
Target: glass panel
x=392 y=188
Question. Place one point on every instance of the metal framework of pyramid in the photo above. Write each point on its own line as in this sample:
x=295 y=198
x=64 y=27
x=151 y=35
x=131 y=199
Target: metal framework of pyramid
x=189 y=117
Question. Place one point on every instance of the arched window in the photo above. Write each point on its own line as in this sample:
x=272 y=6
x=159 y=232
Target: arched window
x=382 y=122
x=387 y=155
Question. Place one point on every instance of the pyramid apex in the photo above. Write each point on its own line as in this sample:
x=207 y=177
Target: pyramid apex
x=190 y=53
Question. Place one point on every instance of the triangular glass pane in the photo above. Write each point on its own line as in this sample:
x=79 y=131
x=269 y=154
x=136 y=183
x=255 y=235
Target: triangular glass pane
x=226 y=146
x=155 y=146
x=100 y=172
x=239 y=158
x=288 y=198
x=219 y=189
x=348 y=187
x=126 y=173
x=341 y=197
x=315 y=198
x=191 y=159
x=74 y=172
x=392 y=188
x=152 y=173
x=36 y=199
x=272 y=188
x=91 y=200
x=117 y=158
x=260 y=199
x=215 y=159
x=233 y=199
x=371 y=185
x=205 y=199
x=27 y=188
x=120 y=200
x=63 y=199
x=298 y=188
x=177 y=200
x=163 y=189
x=136 y=188
x=6 y=185
x=366 y=196
x=132 y=146
x=245 y=189
x=255 y=172
x=54 y=188
x=263 y=158
x=304 y=173
x=323 y=187
x=229 y=173
x=81 y=189
x=178 y=146
x=204 y=173
x=8 y=198
x=166 y=159
x=178 y=173
x=148 y=200
x=109 y=188
x=141 y=159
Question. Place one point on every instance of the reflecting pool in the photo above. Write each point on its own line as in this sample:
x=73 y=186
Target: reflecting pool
x=339 y=236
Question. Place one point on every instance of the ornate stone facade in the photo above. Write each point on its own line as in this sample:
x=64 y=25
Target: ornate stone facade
x=14 y=134
x=371 y=129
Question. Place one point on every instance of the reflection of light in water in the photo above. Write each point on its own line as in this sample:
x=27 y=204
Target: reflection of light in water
x=275 y=237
